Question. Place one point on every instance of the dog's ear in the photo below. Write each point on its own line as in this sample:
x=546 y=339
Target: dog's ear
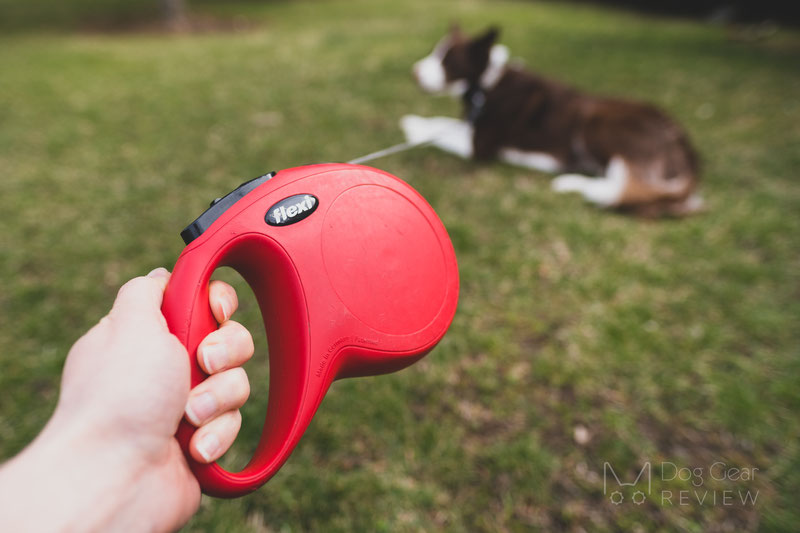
x=455 y=30
x=480 y=46
x=489 y=37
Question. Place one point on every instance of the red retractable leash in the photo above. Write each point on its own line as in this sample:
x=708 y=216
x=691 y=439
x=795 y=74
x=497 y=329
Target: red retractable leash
x=354 y=275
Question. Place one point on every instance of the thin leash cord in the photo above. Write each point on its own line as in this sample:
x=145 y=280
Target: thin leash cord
x=402 y=147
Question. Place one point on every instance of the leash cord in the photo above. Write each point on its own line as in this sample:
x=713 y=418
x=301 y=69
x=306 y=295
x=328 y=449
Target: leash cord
x=402 y=147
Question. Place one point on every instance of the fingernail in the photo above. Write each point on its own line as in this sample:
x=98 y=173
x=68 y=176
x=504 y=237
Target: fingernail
x=200 y=408
x=215 y=356
x=159 y=272
x=226 y=314
x=208 y=446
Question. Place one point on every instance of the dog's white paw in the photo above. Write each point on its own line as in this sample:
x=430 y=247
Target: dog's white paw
x=568 y=183
x=417 y=129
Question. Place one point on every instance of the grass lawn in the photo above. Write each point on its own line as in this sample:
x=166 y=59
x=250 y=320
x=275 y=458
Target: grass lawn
x=583 y=338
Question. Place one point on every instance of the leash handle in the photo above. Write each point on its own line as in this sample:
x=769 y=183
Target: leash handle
x=281 y=300
x=354 y=275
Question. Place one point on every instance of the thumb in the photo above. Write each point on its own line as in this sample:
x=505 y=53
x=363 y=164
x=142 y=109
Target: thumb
x=141 y=297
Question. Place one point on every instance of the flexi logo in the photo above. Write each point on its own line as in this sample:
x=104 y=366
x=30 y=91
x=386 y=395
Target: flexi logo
x=292 y=209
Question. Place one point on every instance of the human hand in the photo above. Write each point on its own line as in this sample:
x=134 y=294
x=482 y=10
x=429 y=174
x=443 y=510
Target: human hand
x=108 y=457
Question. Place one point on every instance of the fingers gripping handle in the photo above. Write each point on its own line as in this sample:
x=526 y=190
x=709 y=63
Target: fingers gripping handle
x=269 y=271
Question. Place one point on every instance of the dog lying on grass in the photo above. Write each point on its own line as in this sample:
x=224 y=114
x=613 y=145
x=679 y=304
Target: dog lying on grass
x=616 y=153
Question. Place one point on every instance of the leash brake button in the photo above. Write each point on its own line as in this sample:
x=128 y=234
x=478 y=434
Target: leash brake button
x=219 y=206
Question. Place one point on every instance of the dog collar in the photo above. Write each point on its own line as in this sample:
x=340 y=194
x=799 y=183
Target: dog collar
x=474 y=99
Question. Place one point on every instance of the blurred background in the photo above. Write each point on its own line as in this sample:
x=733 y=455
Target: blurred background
x=585 y=342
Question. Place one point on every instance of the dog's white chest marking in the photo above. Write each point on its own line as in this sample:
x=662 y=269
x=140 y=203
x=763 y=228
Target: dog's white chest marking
x=534 y=160
x=498 y=57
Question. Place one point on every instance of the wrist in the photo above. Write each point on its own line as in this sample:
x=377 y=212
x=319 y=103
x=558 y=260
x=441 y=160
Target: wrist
x=67 y=480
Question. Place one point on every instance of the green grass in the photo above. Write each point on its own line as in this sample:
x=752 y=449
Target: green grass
x=670 y=342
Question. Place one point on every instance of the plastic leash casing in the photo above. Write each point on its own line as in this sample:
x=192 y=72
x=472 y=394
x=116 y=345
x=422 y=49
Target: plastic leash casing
x=354 y=275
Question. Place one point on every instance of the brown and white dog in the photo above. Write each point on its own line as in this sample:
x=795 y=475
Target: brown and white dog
x=616 y=153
